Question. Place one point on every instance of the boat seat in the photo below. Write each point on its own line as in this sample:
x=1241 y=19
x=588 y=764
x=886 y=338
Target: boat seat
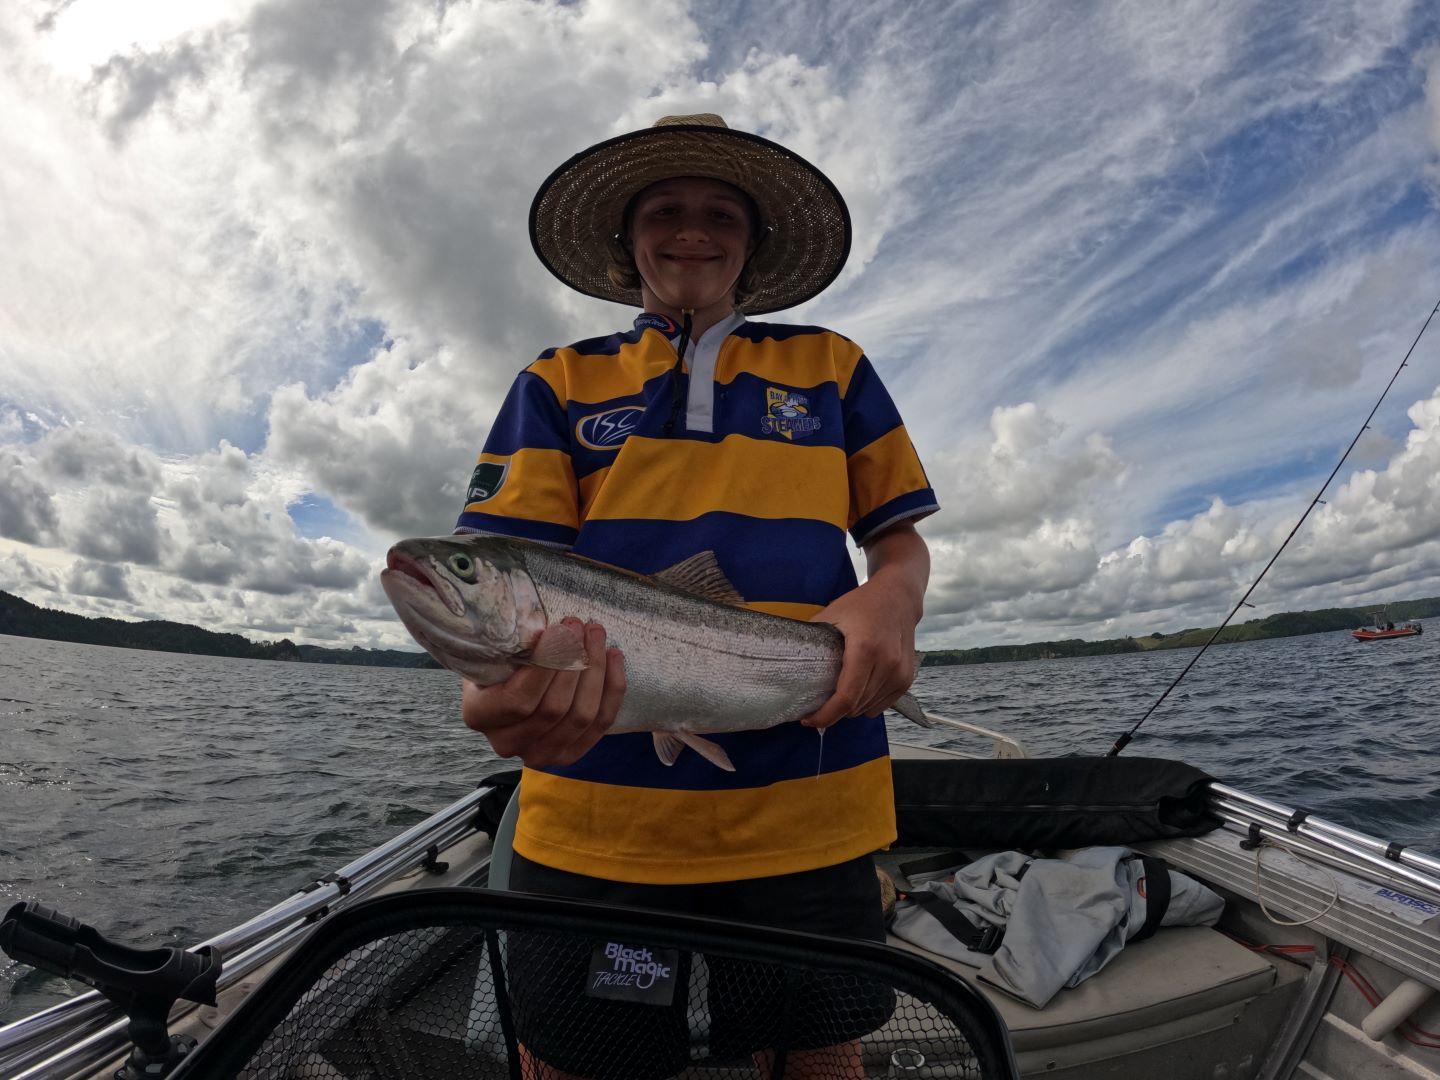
x=502 y=848
x=1185 y=982
x=1180 y=971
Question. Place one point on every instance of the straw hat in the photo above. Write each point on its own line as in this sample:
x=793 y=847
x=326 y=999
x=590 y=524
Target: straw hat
x=579 y=207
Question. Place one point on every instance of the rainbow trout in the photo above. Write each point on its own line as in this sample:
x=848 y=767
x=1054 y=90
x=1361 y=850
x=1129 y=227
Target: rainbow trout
x=696 y=663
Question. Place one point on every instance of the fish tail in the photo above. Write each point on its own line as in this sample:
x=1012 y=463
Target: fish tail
x=909 y=708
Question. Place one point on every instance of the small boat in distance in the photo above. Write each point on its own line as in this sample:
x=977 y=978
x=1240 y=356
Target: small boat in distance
x=1380 y=627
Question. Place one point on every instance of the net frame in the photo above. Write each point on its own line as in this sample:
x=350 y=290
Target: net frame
x=358 y=930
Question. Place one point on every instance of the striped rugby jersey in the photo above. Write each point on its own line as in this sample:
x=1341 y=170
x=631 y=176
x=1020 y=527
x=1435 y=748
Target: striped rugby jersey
x=783 y=439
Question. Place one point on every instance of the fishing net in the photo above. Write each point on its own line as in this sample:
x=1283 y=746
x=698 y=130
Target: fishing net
x=467 y=983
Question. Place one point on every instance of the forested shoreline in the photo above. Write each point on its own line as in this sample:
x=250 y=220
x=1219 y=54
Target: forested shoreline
x=24 y=619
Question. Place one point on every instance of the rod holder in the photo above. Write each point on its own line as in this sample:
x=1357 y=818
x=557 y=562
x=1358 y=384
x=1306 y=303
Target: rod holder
x=144 y=983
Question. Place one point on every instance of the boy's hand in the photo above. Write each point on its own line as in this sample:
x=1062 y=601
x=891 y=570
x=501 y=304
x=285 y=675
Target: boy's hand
x=547 y=717
x=879 y=665
x=878 y=620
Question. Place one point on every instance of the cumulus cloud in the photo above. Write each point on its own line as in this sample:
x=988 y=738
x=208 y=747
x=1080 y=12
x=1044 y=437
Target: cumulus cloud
x=1376 y=536
x=20 y=574
x=1379 y=519
x=107 y=580
x=394 y=443
x=127 y=87
x=106 y=509
x=231 y=526
x=26 y=510
x=1030 y=473
x=214 y=519
x=187 y=594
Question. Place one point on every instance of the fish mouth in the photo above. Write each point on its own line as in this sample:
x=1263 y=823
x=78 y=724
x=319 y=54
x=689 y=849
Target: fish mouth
x=403 y=571
x=452 y=651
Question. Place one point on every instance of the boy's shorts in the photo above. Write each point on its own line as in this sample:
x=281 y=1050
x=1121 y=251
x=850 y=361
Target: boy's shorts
x=601 y=1039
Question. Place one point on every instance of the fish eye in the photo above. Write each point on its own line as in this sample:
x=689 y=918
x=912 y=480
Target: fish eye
x=462 y=566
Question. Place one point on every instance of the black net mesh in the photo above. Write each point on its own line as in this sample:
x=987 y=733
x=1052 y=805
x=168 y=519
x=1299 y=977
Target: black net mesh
x=458 y=989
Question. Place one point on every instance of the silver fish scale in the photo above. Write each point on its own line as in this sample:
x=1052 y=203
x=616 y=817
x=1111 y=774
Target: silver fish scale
x=692 y=664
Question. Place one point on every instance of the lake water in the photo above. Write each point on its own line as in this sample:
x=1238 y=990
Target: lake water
x=165 y=797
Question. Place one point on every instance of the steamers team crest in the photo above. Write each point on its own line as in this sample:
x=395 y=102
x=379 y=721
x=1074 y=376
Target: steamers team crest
x=787 y=413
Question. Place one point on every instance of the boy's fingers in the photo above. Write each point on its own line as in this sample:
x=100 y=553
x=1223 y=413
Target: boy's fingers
x=843 y=702
x=885 y=687
x=525 y=693
x=580 y=729
x=503 y=705
x=554 y=701
x=612 y=691
x=555 y=705
x=615 y=686
x=520 y=695
x=592 y=680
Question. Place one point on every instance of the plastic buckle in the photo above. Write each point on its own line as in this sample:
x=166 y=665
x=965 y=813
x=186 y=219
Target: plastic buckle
x=432 y=863
x=990 y=939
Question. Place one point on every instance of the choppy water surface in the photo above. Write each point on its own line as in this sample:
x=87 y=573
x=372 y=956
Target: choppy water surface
x=165 y=797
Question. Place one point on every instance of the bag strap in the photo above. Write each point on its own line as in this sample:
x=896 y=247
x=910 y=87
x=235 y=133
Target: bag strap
x=943 y=860
x=1157 y=894
x=980 y=939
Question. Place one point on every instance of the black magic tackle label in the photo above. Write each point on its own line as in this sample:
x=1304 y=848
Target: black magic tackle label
x=487 y=479
x=633 y=973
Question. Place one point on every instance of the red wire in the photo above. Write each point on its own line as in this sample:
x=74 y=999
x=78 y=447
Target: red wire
x=1372 y=995
x=1356 y=976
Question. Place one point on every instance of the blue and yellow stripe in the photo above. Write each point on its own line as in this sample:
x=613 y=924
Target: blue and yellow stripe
x=774 y=503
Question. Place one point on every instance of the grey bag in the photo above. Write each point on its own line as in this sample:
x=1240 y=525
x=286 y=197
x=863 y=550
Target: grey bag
x=1033 y=926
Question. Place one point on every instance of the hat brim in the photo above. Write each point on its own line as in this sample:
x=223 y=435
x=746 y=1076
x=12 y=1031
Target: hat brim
x=580 y=205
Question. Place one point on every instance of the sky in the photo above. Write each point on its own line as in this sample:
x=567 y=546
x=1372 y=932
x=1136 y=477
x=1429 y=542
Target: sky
x=1134 y=273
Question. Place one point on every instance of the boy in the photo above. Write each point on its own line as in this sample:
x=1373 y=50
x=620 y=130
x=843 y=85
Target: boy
x=699 y=430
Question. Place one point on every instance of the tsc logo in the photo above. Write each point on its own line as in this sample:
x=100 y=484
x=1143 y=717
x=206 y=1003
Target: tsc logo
x=607 y=430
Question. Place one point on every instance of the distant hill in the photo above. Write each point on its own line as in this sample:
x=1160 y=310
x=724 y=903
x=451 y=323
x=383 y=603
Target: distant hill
x=24 y=619
x=317 y=654
x=1285 y=624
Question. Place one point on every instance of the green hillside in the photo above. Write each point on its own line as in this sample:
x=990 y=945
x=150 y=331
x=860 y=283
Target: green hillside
x=21 y=618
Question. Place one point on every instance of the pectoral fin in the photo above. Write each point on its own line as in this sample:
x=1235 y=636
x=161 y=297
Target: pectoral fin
x=710 y=751
x=667 y=747
x=561 y=648
x=909 y=708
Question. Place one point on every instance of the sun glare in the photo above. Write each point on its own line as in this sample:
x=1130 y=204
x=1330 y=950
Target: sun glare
x=89 y=32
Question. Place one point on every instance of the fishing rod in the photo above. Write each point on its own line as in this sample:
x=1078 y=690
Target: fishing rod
x=1124 y=740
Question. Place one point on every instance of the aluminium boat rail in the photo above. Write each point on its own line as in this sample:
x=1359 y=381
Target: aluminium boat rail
x=1324 y=841
x=87 y=1030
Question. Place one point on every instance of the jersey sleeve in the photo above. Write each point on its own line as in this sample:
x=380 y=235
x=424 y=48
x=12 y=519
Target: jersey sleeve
x=887 y=482
x=524 y=483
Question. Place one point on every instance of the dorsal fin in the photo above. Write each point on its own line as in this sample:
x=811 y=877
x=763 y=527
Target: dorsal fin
x=700 y=575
